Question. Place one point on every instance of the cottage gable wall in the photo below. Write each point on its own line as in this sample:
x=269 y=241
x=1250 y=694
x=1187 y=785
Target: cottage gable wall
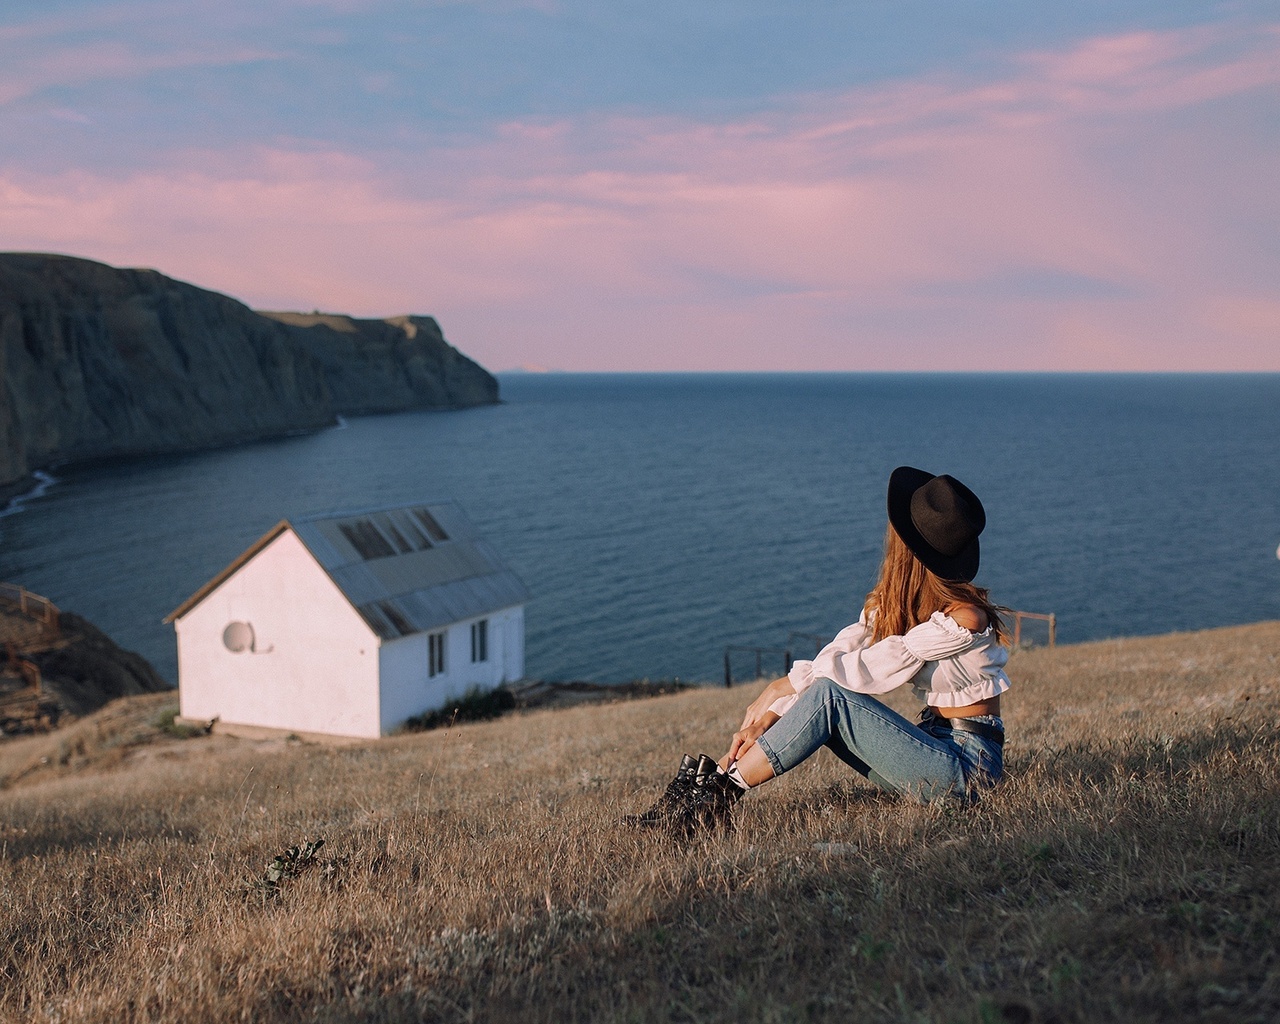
x=313 y=663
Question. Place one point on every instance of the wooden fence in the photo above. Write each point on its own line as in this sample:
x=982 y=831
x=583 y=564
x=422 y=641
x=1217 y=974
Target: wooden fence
x=32 y=605
x=1017 y=625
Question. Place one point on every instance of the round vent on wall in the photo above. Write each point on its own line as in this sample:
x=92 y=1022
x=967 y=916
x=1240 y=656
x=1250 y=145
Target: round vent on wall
x=238 y=637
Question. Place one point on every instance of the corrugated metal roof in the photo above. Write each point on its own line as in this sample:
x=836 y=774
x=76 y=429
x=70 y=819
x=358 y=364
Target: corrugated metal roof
x=411 y=568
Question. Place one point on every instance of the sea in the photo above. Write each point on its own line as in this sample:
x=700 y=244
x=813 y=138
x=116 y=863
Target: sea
x=659 y=519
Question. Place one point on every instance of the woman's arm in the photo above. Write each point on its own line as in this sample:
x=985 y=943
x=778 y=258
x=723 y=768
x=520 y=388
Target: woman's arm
x=848 y=640
x=745 y=738
x=889 y=663
x=759 y=717
x=771 y=694
x=848 y=661
x=973 y=618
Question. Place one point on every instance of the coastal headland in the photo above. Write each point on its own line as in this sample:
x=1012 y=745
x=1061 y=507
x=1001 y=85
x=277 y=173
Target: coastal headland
x=98 y=362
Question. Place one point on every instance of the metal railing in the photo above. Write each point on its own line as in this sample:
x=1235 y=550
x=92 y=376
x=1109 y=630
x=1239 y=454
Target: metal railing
x=760 y=653
x=817 y=639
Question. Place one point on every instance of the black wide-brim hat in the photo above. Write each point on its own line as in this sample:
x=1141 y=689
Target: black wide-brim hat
x=938 y=519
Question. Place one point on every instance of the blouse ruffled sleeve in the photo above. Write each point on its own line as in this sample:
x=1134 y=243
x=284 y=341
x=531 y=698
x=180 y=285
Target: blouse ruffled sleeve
x=886 y=665
x=848 y=640
x=937 y=638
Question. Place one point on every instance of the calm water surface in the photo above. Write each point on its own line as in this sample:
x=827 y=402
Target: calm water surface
x=657 y=518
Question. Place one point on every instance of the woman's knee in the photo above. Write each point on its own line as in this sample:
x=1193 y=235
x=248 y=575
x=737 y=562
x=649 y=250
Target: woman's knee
x=832 y=694
x=825 y=700
x=826 y=690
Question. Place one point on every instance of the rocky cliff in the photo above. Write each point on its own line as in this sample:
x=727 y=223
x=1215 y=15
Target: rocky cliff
x=99 y=362
x=388 y=365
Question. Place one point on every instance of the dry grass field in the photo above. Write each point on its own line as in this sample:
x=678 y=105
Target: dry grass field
x=1128 y=870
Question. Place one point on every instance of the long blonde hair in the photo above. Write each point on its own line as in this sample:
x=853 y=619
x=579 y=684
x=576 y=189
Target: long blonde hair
x=907 y=593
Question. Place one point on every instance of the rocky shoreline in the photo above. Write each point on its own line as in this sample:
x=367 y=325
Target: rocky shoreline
x=15 y=493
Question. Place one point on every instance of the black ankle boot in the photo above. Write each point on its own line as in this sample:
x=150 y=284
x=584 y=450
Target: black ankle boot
x=708 y=806
x=670 y=800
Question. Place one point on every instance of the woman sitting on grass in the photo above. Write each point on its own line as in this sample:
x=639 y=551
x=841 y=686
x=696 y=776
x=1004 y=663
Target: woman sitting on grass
x=925 y=623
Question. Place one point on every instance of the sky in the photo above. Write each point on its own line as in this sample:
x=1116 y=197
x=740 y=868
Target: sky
x=696 y=185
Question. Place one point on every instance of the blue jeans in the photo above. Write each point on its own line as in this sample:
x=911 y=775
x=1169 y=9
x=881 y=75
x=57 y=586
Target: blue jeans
x=927 y=762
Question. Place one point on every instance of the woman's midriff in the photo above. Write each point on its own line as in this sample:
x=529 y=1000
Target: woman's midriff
x=983 y=707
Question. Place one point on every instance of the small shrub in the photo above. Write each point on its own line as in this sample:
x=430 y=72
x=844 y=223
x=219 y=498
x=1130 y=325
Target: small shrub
x=289 y=864
x=475 y=705
x=166 y=722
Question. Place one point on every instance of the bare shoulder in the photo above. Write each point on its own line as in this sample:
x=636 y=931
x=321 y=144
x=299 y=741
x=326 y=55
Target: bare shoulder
x=970 y=616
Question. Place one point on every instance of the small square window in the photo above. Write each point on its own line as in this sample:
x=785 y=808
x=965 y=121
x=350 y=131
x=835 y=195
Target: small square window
x=480 y=640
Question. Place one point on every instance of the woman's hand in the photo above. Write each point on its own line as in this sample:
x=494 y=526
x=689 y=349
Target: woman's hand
x=745 y=738
x=778 y=688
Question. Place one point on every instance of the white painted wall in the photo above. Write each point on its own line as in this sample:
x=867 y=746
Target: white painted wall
x=407 y=688
x=512 y=649
x=315 y=668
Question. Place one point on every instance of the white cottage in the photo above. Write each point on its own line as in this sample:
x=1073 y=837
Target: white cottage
x=348 y=624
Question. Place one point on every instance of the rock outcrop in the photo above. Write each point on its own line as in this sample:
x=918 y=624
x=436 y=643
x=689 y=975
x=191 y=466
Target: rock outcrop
x=89 y=669
x=402 y=362
x=49 y=670
x=100 y=362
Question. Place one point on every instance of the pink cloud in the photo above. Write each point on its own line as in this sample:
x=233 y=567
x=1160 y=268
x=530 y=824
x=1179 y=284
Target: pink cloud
x=1074 y=213
x=1147 y=70
x=22 y=77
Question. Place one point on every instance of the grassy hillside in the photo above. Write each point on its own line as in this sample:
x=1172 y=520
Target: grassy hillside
x=1129 y=869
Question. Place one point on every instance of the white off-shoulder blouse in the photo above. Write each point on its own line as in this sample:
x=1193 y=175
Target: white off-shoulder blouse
x=946 y=665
